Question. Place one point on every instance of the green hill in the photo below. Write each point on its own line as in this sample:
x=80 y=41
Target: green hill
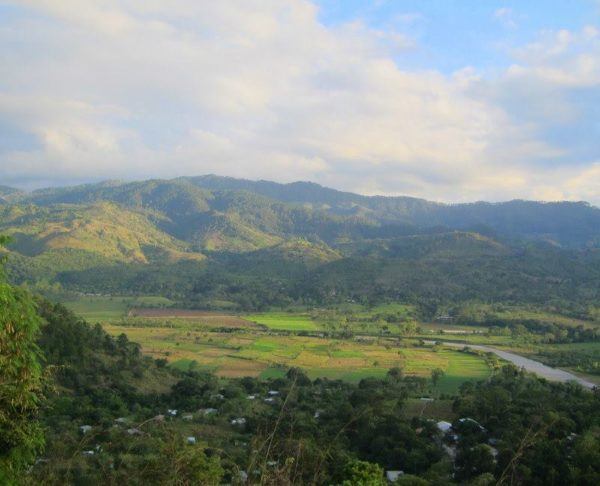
x=261 y=243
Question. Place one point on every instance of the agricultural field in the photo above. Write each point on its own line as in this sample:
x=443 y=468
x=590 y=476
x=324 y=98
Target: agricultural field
x=246 y=353
x=285 y=321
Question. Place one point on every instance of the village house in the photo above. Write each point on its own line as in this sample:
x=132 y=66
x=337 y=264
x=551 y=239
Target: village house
x=392 y=476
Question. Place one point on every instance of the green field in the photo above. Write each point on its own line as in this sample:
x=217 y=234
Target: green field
x=284 y=321
x=100 y=309
x=251 y=352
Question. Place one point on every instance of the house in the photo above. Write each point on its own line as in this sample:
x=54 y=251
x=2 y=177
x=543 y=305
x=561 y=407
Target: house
x=191 y=440
x=172 y=412
x=238 y=421
x=122 y=420
x=84 y=429
x=273 y=393
x=443 y=426
x=468 y=420
x=251 y=397
x=88 y=453
x=392 y=476
x=317 y=414
x=188 y=417
x=270 y=400
x=134 y=431
x=243 y=476
x=219 y=396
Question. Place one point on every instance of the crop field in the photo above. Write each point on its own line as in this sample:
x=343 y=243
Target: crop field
x=284 y=321
x=244 y=353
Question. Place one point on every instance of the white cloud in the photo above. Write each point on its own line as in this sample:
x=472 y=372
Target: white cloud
x=506 y=17
x=262 y=89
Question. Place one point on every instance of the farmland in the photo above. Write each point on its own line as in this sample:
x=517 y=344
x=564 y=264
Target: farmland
x=350 y=342
x=249 y=351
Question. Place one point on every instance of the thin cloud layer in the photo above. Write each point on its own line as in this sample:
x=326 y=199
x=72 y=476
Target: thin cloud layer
x=262 y=89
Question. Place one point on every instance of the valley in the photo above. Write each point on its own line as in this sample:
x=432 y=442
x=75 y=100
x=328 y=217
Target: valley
x=325 y=343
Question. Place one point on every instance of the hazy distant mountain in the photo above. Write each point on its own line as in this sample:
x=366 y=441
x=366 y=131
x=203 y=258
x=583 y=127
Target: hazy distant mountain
x=6 y=193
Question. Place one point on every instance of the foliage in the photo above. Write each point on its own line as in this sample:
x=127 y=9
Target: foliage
x=20 y=382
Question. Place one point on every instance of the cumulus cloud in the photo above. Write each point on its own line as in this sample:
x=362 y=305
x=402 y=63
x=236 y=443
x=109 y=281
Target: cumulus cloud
x=262 y=89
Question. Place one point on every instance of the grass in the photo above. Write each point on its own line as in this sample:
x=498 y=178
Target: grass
x=99 y=309
x=284 y=322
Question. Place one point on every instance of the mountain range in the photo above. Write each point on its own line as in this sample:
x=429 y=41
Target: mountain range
x=213 y=237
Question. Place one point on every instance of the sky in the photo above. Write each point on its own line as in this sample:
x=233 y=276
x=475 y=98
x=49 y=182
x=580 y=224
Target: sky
x=450 y=100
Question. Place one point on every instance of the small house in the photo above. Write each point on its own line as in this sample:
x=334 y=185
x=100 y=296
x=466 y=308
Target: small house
x=84 y=429
x=172 y=412
x=191 y=440
x=443 y=426
x=392 y=476
x=122 y=420
x=238 y=421
x=134 y=431
x=273 y=393
x=187 y=417
x=251 y=397
x=270 y=400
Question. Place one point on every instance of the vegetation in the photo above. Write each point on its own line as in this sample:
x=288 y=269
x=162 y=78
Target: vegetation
x=203 y=241
x=293 y=430
x=256 y=333
x=20 y=382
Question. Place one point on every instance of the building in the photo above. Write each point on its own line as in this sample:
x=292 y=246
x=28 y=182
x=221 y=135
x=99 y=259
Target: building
x=392 y=476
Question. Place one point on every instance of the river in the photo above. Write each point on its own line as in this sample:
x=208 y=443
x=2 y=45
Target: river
x=540 y=369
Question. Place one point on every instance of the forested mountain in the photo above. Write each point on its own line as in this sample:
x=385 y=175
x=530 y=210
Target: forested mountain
x=567 y=223
x=571 y=224
x=262 y=243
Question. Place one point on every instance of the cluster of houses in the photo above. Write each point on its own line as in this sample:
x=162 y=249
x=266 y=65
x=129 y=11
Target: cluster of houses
x=272 y=396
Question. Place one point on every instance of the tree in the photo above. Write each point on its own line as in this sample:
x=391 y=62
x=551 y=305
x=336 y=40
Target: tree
x=20 y=381
x=436 y=374
x=363 y=473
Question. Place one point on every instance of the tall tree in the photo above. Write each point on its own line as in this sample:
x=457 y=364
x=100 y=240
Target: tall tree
x=20 y=381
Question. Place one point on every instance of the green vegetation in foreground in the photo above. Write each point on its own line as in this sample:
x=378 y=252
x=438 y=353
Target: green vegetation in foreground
x=284 y=322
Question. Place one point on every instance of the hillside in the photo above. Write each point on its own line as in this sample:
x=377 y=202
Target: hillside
x=206 y=239
x=572 y=224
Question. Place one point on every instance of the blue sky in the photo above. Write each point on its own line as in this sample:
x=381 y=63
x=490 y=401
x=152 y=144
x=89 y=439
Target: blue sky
x=448 y=100
x=452 y=34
